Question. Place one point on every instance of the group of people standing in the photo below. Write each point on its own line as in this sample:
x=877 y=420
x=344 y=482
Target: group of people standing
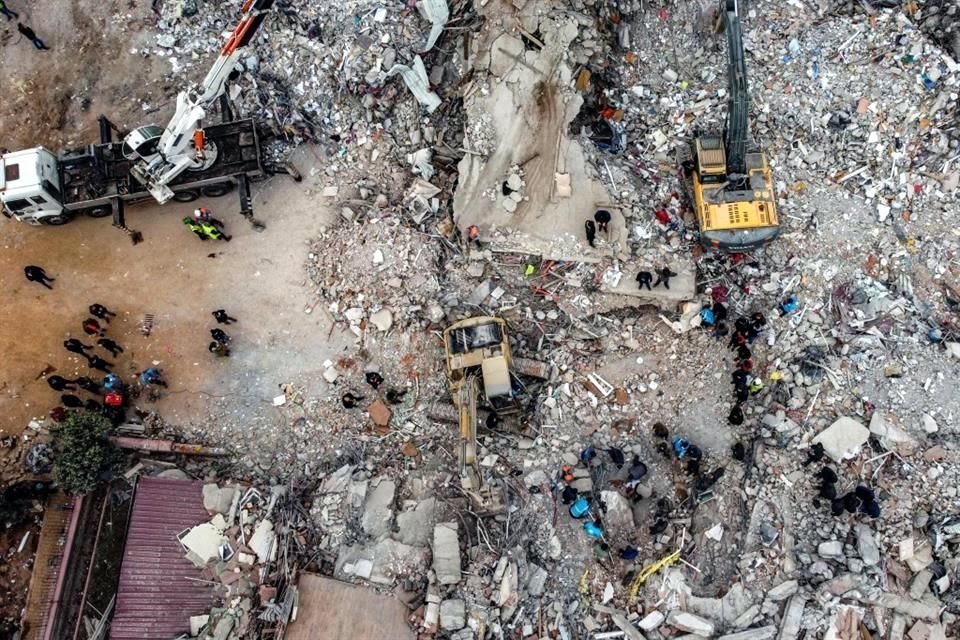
x=220 y=345
x=745 y=383
x=110 y=395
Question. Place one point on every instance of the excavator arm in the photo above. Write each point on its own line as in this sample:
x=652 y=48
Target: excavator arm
x=163 y=154
x=738 y=95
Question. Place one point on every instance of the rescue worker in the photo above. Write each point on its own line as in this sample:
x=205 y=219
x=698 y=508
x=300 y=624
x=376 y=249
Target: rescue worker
x=38 y=275
x=349 y=401
x=114 y=399
x=707 y=317
x=71 y=401
x=602 y=218
x=112 y=382
x=663 y=275
x=220 y=315
x=99 y=311
x=194 y=227
x=591 y=230
x=740 y=378
x=110 y=346
x=395 y=396
x=7 y=12
x=92 y=405
x=98 y=363
x=75 y=346
x=789 y=305
x=213 y=232
x=569 y=495
x=473 y=235
x=152 y=376
x=220 y=336
x=736 y=415
x=644 y=278
x=218 y=349
x=202 y=214
x=59 y=384
x=92 y=328
x=374 y=379
x=88 y=385
x=719 y=311
x=756 y=386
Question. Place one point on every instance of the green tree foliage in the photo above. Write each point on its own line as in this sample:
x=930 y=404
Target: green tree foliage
x=84 y=455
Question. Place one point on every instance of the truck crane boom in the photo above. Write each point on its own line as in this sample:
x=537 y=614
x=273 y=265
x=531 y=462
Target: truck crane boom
x=162 y=154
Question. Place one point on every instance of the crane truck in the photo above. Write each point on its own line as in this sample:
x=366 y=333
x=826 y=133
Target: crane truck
x=733 y=191
x=180 y=162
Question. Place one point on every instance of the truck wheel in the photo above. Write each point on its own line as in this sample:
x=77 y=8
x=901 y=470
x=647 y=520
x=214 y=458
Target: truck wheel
x=99 y=212
x=58 y=220
x=187 y=195
x=216 y=190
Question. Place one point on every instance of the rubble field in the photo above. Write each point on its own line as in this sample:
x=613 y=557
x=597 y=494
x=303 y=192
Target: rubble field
x=829 y=509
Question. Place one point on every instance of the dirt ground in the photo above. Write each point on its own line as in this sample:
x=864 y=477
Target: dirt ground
x=94 y=66
x=178 y=280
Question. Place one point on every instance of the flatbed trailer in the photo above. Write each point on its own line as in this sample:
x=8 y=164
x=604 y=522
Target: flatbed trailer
x=95 y=180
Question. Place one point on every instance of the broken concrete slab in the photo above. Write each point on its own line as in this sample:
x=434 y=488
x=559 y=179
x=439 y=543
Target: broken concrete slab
x=867 y=545
x=651 y=621
x=690 y=623
x=537 y=581
x=832 y=549
x=382 y=319
x=261 y=542
x=760 y=633
x=378 y=510
x=453 y=614
x=920 y=584
x=415 y=527
x=783 y=590
x=620 y=619
x=842 y=439
x=446 y=553
x=792 y=617
x=619 y=512
x=217 y=499
x=203 y=542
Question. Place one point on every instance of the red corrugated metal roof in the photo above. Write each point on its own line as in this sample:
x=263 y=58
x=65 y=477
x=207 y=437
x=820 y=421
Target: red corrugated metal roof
x=155 y=599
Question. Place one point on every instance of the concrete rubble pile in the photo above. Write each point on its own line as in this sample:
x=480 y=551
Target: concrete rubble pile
x=323 y=71
x=568 y=109
x=248 y=550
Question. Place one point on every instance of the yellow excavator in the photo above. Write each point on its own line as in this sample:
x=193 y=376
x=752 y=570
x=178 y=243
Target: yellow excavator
x=478 y=357
x=733 y=190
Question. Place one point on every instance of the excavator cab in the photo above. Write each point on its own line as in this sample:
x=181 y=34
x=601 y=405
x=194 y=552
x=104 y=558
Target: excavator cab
x=479 y=346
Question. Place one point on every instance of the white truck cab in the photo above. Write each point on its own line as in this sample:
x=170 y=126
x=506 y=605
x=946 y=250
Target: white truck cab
x=30 y=187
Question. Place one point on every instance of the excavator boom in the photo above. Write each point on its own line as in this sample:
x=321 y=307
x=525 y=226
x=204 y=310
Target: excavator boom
x=738 y=94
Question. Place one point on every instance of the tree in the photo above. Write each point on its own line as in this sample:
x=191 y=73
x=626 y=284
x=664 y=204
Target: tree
x=84 y=455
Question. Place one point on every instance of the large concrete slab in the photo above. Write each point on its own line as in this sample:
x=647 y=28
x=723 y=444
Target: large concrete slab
x=333 y=610
x=523 y=117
